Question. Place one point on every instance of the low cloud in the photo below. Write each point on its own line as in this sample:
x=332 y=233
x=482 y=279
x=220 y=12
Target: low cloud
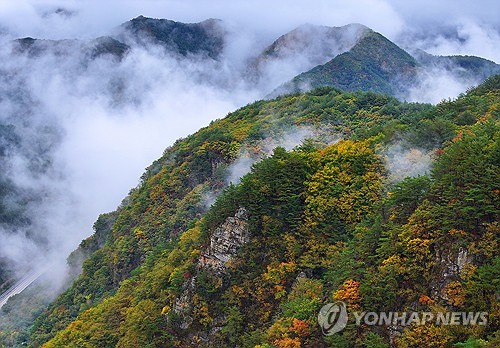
x=87 y=129
x=403 y=161
x=289 y=139
x=437 y=84
x=463 y=38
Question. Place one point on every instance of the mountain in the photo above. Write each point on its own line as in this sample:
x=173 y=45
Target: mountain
x=465 y=67
x=304 y=48
x=106 y=45
x=352 y=57
x=173 y=258
x=374 y=63
x=86 y=51
x=204 y=38
x=318 y=42
x=384 y=205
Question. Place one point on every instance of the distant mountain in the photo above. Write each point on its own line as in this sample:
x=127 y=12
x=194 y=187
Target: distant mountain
x=465 y=67
x=306 y=47
x=376 y=64
x=36 y=47
x=351 y=57
x=106 y=45
x=84 y=50
x=373 y=64
x=206 y=38
x=317 y=42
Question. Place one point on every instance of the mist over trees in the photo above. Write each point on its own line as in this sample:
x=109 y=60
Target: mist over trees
x=326 y=221
x=326 y=189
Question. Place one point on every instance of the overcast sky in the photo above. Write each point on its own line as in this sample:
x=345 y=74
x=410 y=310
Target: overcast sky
x=465 y=26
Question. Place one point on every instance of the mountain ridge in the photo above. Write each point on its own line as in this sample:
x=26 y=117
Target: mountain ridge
x=362 y=68
x=373 y=63
x=177 y=189
x=277 y=277
x=206 y=37
x=317 y=55
x=321 y=38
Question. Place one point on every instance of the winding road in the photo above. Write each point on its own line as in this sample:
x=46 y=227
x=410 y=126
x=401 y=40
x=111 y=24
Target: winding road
x=20 y=286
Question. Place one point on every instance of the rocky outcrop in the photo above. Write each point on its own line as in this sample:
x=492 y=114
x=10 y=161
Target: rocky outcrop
x=450 y=265
x=183 y=304
x=224 y=244
x=225 y=241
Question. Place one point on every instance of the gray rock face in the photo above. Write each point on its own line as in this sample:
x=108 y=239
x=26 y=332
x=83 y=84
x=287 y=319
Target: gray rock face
x=450 y=265
x=453 y=265
x=225 y=241
x=183 y=304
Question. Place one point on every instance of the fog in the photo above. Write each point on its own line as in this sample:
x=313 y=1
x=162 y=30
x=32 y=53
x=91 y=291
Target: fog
x=288 y=139
x=88 y=129
x=444 y=27
x=437 y=84
x=404 y=161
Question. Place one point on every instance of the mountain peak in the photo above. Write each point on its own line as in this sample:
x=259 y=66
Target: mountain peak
x=317 y=40
x=373 y=63
x=305 y=47
x=205 y=38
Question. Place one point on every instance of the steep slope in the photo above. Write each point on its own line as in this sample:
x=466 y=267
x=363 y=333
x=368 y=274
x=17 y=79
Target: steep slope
x=198 y=167
x=304 y=48
x=320 y=223
x=373 y=64
x=181 y=182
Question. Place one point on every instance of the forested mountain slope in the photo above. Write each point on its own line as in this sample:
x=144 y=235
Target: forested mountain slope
x=204 y=38
x=376 y=64
x=387 y=206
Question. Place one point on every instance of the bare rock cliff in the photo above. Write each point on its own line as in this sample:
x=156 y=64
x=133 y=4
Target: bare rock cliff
x=225 y=241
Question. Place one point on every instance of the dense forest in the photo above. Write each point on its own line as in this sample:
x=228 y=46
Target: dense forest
x=381 y=204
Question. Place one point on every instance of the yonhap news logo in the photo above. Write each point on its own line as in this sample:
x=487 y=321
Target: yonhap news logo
x=333 y=317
